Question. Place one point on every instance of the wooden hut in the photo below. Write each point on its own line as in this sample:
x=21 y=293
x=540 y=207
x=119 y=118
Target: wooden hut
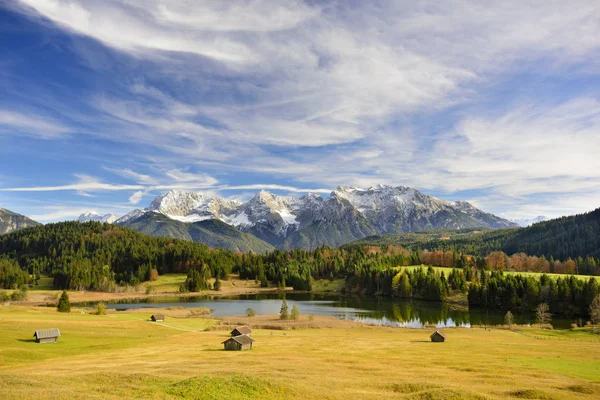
x=437 y=336
x=241 y=330
x=46 y=335
x=158 y=317
x=240 y=342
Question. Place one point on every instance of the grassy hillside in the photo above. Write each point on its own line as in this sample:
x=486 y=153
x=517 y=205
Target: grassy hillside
x=124 y=356
x=213 y=233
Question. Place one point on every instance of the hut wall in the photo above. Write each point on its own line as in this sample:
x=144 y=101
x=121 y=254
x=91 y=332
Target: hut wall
x=232 y=345
x=437 y=338
x=47 y=340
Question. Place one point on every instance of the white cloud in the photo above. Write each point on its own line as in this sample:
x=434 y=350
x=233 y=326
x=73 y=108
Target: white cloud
x=328 y=94
x=137 y=177
x=136 y=197
x=532 y=149
x=34 y=125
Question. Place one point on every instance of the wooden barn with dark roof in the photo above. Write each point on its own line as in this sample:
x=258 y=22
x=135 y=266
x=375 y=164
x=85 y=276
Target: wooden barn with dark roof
x=46 y=335
x=241 y=330
x=240 y=342
x=158 y=318
x=437 y=336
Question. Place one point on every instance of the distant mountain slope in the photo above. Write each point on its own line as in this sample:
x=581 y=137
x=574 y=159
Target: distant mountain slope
x=213 y=233
x=311 y=221
x=525 y=222
x=561 y=238
x=11 y=221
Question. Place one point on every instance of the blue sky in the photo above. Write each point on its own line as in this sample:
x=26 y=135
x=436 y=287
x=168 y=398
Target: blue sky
x=106 y=104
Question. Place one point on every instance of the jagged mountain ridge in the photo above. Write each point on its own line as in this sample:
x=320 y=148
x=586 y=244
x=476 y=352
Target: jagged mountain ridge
x=94 y=216
x=11 y=221
x=310 y=221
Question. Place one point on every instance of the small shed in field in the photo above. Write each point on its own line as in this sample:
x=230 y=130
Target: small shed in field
x=437 y=336
x=46 y=335
x=240 y=342
x=241 y=330
x=158 y=318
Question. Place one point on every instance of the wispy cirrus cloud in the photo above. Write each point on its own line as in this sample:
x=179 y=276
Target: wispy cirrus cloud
x=12 y=122
x=422 y=93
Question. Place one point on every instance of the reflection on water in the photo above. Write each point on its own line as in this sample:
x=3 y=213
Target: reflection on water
x=372 y=310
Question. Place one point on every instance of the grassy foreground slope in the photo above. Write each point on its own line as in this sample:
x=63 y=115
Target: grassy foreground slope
x=123 y=356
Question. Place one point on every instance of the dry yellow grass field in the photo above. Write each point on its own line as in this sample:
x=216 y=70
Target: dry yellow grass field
x=121 y=355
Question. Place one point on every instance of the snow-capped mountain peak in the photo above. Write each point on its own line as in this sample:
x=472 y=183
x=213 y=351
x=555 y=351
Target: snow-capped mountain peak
x=310 y=220
x=525 y=222
x=191 y=206
x=94 y=216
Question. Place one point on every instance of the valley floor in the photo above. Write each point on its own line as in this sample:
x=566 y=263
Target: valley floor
x=123 y=355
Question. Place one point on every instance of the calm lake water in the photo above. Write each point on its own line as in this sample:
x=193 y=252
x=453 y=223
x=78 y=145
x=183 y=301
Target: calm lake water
x=375 y=310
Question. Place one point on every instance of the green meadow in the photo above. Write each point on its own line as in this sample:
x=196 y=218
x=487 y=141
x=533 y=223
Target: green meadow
x=123 y=355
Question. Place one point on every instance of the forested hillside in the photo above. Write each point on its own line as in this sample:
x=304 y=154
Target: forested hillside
x=94 y=256
x=97 y=256
x=562 y=238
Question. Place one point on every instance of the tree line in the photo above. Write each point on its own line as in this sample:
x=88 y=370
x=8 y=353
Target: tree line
x=94 y=256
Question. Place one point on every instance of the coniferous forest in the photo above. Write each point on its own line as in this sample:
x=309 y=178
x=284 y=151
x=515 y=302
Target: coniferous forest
x=102 y=257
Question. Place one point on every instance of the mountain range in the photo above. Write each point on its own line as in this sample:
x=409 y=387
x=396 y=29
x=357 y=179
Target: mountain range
x=309 y=221
x=93 y=216
x=11 y=221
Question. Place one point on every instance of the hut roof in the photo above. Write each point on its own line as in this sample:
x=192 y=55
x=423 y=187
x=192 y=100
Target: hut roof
x=241 y=339
x=244 y=330
x=159 y=316
x=437 y=333
x=47 y=333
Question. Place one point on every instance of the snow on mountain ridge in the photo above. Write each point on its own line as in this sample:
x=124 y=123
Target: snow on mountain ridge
x=525 y=222
x=348 y=213
x=94 y=216
x=192 y=206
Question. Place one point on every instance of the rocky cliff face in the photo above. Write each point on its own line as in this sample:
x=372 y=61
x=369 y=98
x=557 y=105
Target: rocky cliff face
x=10 y=221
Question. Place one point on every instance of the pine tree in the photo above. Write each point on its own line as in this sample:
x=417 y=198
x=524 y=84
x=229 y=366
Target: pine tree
x=217 y=285
x=295 y=313
x=64 y=305
x=283 y=314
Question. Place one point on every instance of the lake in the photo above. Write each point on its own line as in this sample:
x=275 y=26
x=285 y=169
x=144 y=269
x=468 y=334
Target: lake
x=370 y=309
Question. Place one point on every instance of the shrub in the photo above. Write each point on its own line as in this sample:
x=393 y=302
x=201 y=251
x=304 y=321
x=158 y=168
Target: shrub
x=64 y=305
x=542 y=314
x=153 y=274
x=250 y=312
x=573 y=326
x=295 y=313
x=283 y=313
x=508 y=319
x=101 y=309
